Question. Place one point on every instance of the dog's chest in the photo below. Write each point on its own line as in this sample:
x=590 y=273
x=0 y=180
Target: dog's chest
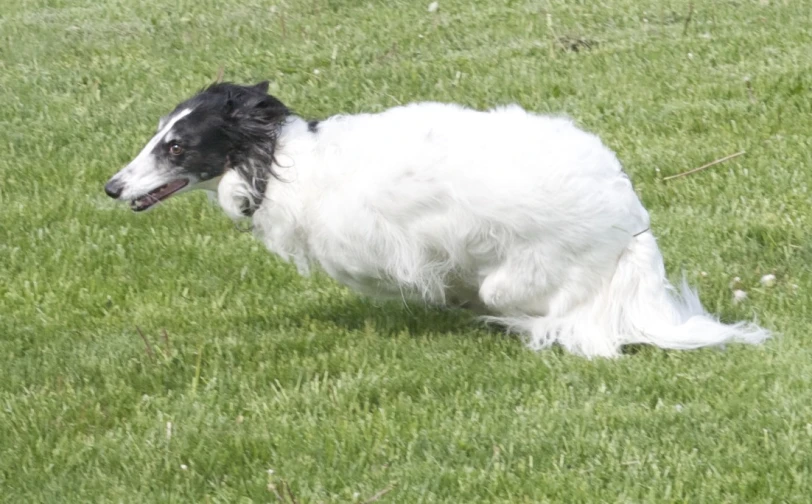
x=357 y=267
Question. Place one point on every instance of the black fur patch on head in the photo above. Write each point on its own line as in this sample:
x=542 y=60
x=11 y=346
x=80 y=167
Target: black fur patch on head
x=230 y=127
x=313 y=126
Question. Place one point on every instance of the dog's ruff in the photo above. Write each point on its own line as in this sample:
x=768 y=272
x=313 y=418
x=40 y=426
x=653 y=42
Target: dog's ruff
x=526 y=219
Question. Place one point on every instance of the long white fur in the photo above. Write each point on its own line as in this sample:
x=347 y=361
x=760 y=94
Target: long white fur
x=524 y=217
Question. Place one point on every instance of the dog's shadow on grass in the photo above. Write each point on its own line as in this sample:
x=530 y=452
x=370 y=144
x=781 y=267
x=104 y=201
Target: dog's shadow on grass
x=357 y=313
x=391 y=318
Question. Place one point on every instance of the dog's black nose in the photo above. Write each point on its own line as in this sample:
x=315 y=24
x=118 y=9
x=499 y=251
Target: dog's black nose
x=113 y=189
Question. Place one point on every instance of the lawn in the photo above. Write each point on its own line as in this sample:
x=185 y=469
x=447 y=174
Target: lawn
x=168 y=357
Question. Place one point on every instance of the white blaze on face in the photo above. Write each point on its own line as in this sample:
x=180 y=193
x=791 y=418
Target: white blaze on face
x=143 y=174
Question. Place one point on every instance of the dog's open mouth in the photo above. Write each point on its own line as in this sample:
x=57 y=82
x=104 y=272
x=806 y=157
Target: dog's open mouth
x=158 y=195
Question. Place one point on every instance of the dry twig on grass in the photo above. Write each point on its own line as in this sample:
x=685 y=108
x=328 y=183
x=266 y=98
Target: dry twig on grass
x=147 y=346
x=379 y=494
x=688 y=18
x=712 y=163
x=290 y=492
x=166 y=343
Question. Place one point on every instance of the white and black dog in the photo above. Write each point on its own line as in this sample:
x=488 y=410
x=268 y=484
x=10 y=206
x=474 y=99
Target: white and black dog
x=524 y=218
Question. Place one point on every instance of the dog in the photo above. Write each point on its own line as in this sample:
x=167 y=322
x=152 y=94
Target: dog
x=526 y=219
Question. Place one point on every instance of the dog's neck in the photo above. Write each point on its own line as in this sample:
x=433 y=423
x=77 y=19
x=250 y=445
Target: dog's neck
x=244 y=187
x=276 y=213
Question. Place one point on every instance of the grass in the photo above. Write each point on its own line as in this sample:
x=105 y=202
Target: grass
x=342 y=398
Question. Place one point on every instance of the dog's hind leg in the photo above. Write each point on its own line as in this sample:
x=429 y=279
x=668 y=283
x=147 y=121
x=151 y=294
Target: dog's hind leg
x=519 y=286
x=550 y=306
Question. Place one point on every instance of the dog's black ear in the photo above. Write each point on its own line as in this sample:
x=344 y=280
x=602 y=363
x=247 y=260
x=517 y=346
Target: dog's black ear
x=262 y=87
x=268 y=102
x=265 y=109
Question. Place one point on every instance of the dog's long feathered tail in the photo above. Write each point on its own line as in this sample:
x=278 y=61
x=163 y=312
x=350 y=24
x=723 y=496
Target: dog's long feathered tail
x=638 y=305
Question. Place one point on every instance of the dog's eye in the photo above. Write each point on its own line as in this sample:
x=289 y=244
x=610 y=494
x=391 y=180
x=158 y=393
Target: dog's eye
x=175 y=149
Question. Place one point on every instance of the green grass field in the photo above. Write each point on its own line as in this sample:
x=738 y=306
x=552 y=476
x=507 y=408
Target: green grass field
x=267 y=383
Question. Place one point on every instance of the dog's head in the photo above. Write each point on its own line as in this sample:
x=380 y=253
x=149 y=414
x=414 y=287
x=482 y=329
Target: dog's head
x=226 y=126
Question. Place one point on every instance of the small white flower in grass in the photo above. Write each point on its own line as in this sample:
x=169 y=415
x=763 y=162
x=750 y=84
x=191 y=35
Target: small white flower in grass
x=433 y=6
x=739 y=296
x=168 y=430
x=355 y=495
x=768 y=280
x=316 y=71
x=735 y=282
x=678 y=407
x=703 y=273
x=270 y=472
x=690 y=56
x=184 y=467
